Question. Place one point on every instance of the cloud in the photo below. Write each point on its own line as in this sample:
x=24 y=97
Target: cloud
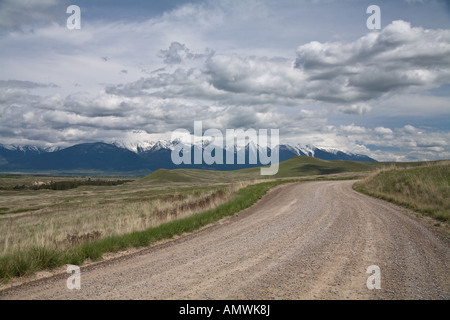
x=178 y=53
x=47 y=120
x=383 y=131
x=399 y=57
x=357 y=109
x=18 y=84
x=352 y=129
x=410 y=129
x=406 y=143
x=263 y=71
x=255 y=76
x=228 y=79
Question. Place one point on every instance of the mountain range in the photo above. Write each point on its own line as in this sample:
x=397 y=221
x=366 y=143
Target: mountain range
x=120 y=157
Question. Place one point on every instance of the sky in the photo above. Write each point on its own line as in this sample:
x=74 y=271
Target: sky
x=137 y=70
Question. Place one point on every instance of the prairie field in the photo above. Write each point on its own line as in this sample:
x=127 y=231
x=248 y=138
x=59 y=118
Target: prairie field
x=60 y=219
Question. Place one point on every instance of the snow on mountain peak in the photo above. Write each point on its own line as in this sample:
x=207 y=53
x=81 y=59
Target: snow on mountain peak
x=22 y=148
x=143 y=146
x=301 y=149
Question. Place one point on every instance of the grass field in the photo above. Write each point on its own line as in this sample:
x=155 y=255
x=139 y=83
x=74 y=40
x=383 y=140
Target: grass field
x=301 y=166
x=45 y=228
x=425 y=189
x=59 y=218
x=34 y=257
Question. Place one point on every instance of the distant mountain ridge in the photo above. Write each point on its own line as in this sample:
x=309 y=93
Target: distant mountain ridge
x=120 y=157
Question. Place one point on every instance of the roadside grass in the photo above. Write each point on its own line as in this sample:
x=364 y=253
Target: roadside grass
x=35 y=258
x=424 y=189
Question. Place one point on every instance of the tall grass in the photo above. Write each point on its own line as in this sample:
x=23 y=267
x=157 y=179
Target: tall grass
x=89 y=221
x=425 y=189
x=27 y=260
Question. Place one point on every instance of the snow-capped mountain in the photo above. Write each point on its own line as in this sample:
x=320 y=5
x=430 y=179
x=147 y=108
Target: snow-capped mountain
x=146 y=146
x=146 y=157
x=300 y=150
x=22 y=149
x=28 y=149
x=324 y=153
x=286 y=151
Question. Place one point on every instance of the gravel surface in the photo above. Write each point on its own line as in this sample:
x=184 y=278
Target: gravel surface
x=311 y=240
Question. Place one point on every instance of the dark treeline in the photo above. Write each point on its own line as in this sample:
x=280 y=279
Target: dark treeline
x=71 y=184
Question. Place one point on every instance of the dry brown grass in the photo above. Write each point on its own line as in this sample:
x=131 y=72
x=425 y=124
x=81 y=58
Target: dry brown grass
x=88 y=220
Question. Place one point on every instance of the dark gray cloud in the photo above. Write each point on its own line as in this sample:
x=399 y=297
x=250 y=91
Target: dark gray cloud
x=255 y=76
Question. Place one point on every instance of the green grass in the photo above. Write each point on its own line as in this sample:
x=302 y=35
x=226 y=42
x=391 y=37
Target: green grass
x=25 y=210
x=300 y=166
x=295 y=167
x=425 y=189
x=23 y=262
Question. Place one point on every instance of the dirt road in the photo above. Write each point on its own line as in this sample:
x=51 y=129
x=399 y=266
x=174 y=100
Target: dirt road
x=311 y=240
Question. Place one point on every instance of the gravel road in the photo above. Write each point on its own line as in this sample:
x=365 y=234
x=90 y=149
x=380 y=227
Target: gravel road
x=311 y=240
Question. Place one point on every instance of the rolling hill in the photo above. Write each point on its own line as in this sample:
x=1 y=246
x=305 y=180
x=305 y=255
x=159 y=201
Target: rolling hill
x=300 y=166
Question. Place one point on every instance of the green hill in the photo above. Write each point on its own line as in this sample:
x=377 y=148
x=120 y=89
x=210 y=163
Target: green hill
x=301 y=166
